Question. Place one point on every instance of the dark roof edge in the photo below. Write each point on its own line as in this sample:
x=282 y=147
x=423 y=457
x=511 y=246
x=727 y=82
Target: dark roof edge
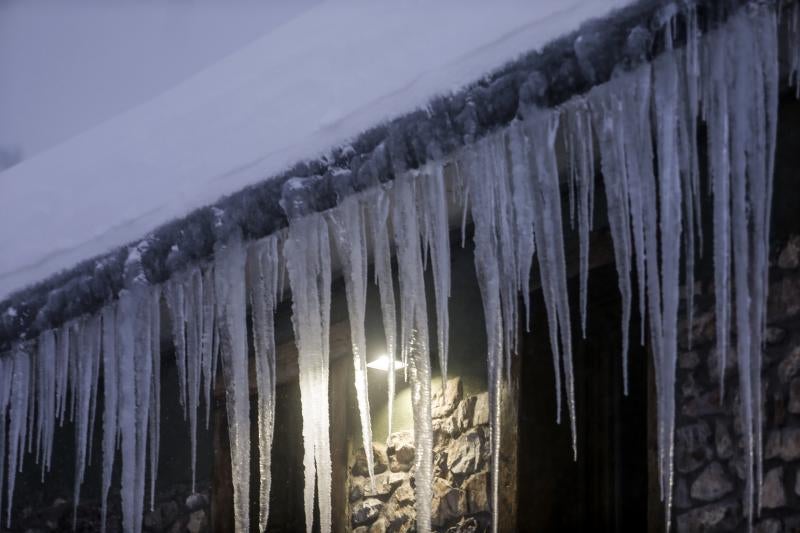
x=568 y=66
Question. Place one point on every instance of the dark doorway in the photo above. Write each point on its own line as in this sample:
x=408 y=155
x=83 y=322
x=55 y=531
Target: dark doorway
x=606 y=488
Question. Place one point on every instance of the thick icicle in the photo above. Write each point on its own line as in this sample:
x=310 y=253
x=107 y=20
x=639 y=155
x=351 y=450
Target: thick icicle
x=482 y=182
x=433 y=201
x=263 y=271
x=134 y=319
x=579 y=128
x=229 y=281
x=347 y=224
x=307 y=252
x=18 y=417
x=378 y=211
x=88 y=353
x=414 y=339
x=110 y=395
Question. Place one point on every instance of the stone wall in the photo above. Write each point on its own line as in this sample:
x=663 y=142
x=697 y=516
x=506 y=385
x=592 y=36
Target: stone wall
x=176 y=510
x=709 y=473
x=461 y=478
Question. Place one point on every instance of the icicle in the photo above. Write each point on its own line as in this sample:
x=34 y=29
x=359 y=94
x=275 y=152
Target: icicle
x=793 y=48
x=433 y=201
x=689 y=157
x=155 y=391
x=229 y=281
x=414 y=340
x=62 y=369
x=378 y=212
x=193 y=295
x=110 y=395
x=548 y=232
x=88 y=353
x=177 y=306
x=483 y=182
x=716 y=101
x=46 y=387
x=665 y=98
x=208 y=339
x=307 y=252
x=263 y=281
x=134 y=320
x=347 y=225
x=578 y=124
x=604 y=103
x=18 y=417
x=6 y=380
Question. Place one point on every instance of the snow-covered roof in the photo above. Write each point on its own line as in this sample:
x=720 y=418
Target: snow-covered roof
x=300 y=90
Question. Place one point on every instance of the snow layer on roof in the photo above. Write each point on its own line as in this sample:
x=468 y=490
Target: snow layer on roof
x=307 y=86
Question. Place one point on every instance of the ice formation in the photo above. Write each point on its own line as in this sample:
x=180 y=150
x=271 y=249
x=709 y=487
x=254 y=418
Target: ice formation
x=264 y=272
x=231 y=310
x=378 y=213
x=350 y=237
x=308 y=262
x=642 y=126
x=414 y=337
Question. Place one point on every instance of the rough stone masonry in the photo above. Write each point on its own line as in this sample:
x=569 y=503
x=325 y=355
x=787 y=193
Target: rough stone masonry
x=461 y=451
x=709 y=445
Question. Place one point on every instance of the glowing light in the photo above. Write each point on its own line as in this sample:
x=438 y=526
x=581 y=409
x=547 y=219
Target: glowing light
x=382 y=363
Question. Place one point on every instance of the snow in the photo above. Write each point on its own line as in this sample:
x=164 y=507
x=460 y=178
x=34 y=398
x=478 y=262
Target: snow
x=309 y=85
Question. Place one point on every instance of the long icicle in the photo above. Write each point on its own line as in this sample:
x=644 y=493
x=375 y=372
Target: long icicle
x=347 y=224
x=307 y=252
x=263 y=276
x=231 y=309
x=378 y=212
x=414 y=340
x=110 y=395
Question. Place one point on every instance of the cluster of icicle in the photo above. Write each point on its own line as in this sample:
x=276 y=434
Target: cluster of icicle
x=645 y=123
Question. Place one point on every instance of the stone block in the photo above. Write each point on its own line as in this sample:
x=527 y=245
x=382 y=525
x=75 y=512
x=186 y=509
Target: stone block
x=783 y=443
x=379 y=457
x=366 y=511
x=445 y=400
x=449 y=503
x=692 y=446
x=477 y=489
x=712 y=483
x=721 y=516
x=464 y=455
x=773 y=494
x=480 y=413
x=789 y=258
